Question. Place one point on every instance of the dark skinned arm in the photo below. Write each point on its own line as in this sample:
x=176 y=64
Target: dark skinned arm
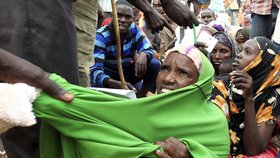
x=14 y=69
x=154 y=19
x=256 y=138
x=174 y=9
x=179 y=13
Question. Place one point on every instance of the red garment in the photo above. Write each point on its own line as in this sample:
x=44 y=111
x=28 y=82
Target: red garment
x=261 y=7
x=270 y=152
x=106 y=21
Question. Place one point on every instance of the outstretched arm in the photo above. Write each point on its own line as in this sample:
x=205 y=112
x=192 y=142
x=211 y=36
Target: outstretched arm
x=154 y=19
x=14 y=69
x=179 y=13
x=176 y=11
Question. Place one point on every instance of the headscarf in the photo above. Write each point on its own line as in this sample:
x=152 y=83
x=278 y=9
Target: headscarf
x=98 y=125
x=263 y=65
x=246 y=32
x=227 y=41
x=192 y=52
x=265 y=71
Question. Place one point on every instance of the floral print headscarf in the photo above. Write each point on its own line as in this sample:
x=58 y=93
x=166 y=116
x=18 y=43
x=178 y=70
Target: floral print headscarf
x=265 y=72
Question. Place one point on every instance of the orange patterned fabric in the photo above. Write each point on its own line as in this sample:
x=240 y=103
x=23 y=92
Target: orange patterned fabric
x=265 y=72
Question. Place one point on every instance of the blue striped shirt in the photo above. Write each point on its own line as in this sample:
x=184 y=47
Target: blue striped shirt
x=105 y=52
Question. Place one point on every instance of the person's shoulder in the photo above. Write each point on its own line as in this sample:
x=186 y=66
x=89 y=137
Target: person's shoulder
x=134 y=28
x=104 y=30
x=104 y=33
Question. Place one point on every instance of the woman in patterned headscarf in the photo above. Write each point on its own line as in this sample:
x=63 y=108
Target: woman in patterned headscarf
x=250 y=99
x=224 y=49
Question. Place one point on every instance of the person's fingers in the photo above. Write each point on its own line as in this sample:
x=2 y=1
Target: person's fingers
x=129 y=86
x=238 y=79
x=56 y=91
x=161 y=154
x=241 y=82
x=136 y=69
x=141 y=70
x=167 y=147
x=156 y=29
x=177 y=148
x=169 y=27
x=240 y=73
x=171 y=151
x=144 y=69
x=192 y=20
x=195 y=20
x=201 y=44
x=243 y=86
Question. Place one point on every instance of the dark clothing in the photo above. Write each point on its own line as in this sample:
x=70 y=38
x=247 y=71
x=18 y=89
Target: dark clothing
x=148 y=78
x=42 y=32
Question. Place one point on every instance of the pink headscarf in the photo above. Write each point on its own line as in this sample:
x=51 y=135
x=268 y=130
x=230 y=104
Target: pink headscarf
x=192 y=52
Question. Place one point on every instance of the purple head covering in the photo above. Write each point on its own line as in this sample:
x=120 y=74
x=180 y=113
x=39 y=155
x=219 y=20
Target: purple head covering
x=223 y=39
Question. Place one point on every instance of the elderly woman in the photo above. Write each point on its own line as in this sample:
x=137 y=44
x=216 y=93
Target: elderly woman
x=224 y=49
x=179 y=123
x=250 y=99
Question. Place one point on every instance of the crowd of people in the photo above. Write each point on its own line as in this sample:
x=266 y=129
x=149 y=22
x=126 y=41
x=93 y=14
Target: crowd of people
x=196 y=97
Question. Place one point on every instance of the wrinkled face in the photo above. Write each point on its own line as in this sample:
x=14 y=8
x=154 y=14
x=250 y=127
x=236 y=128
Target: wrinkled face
x=125 y=17
x=249 y=52
x=177 y=71
x=207 y=16
x=219 y=54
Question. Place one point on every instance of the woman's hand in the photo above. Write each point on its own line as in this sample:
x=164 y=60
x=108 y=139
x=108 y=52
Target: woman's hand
x=243 y=81
x=173 y=148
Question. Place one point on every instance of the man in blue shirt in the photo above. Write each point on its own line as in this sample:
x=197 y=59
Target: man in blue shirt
x=136 y=52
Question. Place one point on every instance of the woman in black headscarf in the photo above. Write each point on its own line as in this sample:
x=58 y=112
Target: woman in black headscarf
x=224 y=49
x=250 y=99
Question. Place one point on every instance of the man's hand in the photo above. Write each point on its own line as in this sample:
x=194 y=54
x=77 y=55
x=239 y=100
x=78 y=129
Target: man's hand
x=174 y=9
x=117 y=85
x=155 y=20
x=173 y=148
x=179 y=13
x=14 y=69
x=141 y=64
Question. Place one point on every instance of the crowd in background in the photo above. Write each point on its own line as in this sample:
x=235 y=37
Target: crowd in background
x=245 y=31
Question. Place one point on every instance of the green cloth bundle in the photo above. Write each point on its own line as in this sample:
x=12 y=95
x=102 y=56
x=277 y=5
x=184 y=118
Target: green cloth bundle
x=96 y=125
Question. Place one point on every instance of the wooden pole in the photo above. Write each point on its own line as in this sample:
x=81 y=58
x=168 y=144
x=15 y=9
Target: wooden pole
x=118 y=43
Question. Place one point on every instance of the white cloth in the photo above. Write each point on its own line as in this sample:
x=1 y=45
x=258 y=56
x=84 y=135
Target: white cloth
x=276 y=34
x=16 y=105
